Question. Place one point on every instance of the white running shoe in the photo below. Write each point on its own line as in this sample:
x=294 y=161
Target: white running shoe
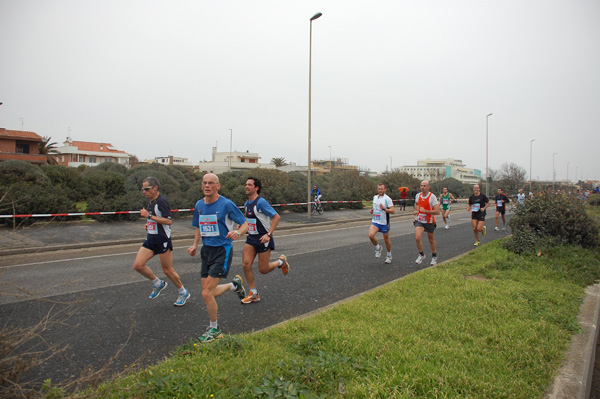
x=378 y=249
x=447 y=227
x=496 y=228
x=433 y=261
x=420 y=259
x=503 y=227
x=388 y=259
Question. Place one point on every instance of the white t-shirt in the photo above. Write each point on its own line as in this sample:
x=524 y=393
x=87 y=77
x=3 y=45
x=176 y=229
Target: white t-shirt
x=379 y=215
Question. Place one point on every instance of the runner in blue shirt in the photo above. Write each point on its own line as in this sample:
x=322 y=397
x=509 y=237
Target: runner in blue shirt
x=262 y=221
x=215 y=218
x=158 y=242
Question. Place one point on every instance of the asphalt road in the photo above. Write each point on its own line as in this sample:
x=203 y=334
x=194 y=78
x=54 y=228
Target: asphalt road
x=104 y=310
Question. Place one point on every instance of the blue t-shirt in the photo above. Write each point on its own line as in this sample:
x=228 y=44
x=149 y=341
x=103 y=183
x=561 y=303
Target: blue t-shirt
x=158 y=233
x=215 y=220
x=258 y=215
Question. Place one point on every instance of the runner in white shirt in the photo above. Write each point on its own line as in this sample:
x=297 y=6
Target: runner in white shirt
x=383 y=207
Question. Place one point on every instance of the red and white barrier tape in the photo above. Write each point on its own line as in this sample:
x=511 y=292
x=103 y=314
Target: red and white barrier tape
x=41 y=215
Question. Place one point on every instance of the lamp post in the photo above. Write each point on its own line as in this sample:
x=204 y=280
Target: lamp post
x=487 y=170
x=530 y=152
x=576 y=172
x=230 y=146
x=568 y=170
x=316 y=16
x=553 y=172
x=330 y=165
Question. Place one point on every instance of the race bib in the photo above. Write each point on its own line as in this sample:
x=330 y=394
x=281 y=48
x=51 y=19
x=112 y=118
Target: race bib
x=377 y=215
x=208 y=226
x=499 y=203
x=422 y=217
x=445 y=201
x=475 y=207
x=151 y=226
x=252 y=226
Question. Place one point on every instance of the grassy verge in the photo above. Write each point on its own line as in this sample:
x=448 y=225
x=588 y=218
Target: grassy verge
x=491 y=324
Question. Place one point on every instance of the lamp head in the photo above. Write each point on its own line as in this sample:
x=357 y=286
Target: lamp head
x=317 y=15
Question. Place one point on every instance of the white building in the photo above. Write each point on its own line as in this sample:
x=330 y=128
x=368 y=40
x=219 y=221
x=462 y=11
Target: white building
x=232 y=161
x=76 y=153
x=440 y=169
x=171 y=160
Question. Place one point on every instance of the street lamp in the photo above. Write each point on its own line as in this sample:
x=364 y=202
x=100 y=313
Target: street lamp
x=487 y=170
x=317 y=15
x=530 y=151
x=568 y=170
x=329 y=158
x=230 y=146
x=553 y=171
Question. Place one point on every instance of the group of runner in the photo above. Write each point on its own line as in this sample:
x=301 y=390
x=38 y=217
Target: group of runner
x=426 y=208
x=215 y=219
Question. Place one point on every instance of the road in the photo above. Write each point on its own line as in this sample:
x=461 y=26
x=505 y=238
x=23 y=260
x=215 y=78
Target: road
x=105 y=307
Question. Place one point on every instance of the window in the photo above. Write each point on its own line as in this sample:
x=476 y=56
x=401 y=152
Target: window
x=92 y=159
x=22 y=147
x=81 y=158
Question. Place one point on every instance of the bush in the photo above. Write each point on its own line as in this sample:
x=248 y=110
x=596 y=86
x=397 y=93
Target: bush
x=551 y=219
x=105 y=183
x=109 y=167
x=28 y=198
x=13 y=171
x=69 y=180
x=168 y=185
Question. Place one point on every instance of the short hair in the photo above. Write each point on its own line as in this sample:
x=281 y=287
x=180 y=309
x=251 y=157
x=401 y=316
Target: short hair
x=152 y=181
x=257 y=183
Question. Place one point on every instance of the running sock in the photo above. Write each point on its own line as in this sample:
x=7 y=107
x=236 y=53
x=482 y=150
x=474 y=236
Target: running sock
x=389 y=254
x=422 y=253
x=213 y=324
x=254 y=291
x=280 y=262
x=231 y=287
x=182 y=290
x=377 y=247
x=156 y=282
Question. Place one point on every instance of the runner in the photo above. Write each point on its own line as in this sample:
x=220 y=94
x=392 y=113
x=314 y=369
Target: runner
x=214 y=218
x=446 y=199
x=478 y=204
x=501 y=201
x=382 y=208
x=521 y=197
x=158 y=242
x=426 y=206
x=262 y=221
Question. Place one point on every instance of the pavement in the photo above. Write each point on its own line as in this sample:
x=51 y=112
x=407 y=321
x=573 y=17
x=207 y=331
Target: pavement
x=574 y=379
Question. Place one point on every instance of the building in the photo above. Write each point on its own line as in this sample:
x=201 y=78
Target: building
x=77 y=153
x=21 y=145
x=232 y=161
x=322 y=166
x=171 y=160
x=440 y=169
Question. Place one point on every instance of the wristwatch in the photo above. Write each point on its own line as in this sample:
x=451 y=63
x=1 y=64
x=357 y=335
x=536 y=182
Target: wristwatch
x=269 y=234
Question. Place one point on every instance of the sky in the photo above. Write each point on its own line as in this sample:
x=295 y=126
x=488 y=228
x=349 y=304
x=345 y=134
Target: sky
x=393 y=81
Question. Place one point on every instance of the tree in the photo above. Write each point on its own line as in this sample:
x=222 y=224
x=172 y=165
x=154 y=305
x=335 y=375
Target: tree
x=45 y=147
x=278 y=161
x=511 y=177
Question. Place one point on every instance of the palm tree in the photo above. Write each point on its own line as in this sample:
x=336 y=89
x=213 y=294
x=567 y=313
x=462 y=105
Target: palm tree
x=45 y=147
x=278 y=161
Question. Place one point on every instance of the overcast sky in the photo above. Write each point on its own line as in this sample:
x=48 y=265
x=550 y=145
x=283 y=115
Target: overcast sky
x=393 y=81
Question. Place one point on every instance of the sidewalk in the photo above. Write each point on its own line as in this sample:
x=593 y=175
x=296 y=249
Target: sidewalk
x=52 y=236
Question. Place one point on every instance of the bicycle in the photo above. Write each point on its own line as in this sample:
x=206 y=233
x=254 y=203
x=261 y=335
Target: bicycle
x=316 y=207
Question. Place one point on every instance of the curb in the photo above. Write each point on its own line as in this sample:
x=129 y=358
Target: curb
x=574 y=378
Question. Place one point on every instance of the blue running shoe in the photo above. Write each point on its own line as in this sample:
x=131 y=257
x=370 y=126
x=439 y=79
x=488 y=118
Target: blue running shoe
x=182 y=298
x=156 y=290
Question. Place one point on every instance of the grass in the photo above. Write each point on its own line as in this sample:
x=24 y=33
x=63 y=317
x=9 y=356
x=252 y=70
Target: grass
x=491 y=324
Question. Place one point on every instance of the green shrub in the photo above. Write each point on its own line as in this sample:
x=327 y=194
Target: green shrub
x=13 y=171
x=109 y=167
x=105 y=183
x=168 y=185
x=551 y=219
x=28 y=198
x=69 y=180
x=593 y=200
